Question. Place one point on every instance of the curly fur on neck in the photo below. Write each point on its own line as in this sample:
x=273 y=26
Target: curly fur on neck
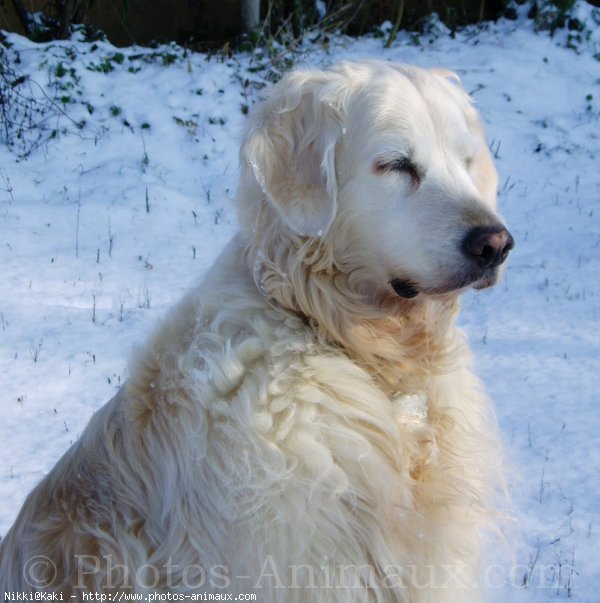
x=401 y=343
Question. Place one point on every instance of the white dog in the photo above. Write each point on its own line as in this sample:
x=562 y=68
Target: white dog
x=304 y=425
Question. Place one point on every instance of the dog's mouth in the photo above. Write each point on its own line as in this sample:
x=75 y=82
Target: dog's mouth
x=478 y=279
x=486 y=281
x=404 y=288
x=483 y=251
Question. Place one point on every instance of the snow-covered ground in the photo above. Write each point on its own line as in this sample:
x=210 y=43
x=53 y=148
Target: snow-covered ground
x=106 y=225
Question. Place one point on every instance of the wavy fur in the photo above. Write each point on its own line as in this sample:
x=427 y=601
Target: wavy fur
x=255 y=447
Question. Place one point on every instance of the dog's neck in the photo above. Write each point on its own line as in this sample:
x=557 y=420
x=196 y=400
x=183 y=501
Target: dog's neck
x=405 y=348
x=402 y=344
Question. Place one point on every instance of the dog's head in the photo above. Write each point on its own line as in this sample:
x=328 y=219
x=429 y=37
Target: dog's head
x=386 y=163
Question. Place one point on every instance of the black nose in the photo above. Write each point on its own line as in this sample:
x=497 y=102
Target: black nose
x=488 y=246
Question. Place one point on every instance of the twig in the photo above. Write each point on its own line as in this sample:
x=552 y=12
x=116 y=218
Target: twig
x=77 y=226
x=396 y=26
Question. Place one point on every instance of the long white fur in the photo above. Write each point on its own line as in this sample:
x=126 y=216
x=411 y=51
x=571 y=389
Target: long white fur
x=255 y=447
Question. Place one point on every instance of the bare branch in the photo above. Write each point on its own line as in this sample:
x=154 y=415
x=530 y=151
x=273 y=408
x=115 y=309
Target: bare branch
x=397 y=22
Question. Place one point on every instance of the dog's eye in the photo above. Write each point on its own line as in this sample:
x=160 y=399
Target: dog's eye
x=404 y=166
x=468 y=162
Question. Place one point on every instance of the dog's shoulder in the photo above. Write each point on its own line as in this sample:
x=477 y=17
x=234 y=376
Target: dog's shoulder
x=223 y=334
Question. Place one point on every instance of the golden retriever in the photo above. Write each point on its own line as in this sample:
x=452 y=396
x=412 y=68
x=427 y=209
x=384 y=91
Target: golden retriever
x=304 y=425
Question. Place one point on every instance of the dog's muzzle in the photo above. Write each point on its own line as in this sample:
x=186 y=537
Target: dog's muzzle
x=484 y=247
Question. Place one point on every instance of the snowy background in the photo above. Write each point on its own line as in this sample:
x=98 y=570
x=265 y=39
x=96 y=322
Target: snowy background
x=111 y=220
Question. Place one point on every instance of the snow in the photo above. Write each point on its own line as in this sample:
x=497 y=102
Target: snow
x=108 y=224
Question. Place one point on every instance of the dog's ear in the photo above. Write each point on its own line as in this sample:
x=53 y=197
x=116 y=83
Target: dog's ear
x=446 y=74
x=483 y=173
x=453 y=85
x=290 y=148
